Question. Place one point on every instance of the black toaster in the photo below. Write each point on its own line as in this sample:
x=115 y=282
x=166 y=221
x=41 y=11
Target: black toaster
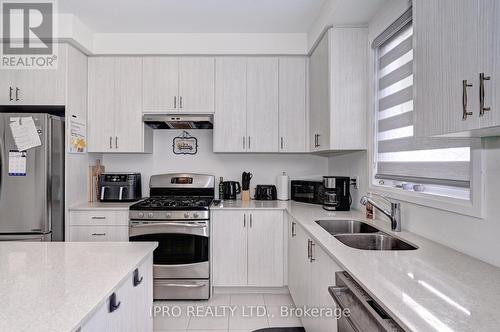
x=120 y=187
x=265 y=192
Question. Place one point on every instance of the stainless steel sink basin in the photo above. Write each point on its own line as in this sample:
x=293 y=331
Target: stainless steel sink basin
x=374 y=241
x=335 y=227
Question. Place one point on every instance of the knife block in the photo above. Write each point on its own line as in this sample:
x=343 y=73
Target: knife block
x=245 y=195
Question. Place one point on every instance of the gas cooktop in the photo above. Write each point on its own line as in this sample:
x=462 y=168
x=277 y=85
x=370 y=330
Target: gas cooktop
x=173 y=203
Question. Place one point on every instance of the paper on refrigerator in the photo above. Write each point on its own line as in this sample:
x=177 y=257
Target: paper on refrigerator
x=17 y=163
x=24 y=133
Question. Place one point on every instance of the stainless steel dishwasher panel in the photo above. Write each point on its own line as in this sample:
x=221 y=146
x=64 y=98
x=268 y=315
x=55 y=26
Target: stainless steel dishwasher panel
x=364 y=314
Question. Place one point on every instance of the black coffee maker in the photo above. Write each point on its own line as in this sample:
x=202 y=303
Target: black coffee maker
x=231 y=189
x=337 y=196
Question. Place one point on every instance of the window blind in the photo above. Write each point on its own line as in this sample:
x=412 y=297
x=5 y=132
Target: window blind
x=399 y=155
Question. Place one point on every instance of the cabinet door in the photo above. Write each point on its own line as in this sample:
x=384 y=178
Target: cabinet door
x=298 y=265
x=292 y=104
x=445 y=53
x=142 y=298
x=98 y=233
x=323 y=270
x=101 y=104
x=160 y=84
x=230 y=105
x=265 y=248
x=229 y=248
x=129 y=128
x=489 y=48
x=319 y=90
x=262 y=104
x=196 y=84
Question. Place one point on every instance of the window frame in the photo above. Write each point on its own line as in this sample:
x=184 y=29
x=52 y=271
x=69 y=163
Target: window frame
x=473 y=206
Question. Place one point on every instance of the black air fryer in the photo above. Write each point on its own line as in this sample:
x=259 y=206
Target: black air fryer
x=120 y=187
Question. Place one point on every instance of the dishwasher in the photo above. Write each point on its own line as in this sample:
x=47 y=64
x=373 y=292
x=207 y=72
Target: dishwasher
x=365 y=315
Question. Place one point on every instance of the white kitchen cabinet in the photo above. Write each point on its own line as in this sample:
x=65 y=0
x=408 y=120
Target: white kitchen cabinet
x=160 y=84
x=134 y=311
x=247 y=248
x=454 y=42
x=180 y=84
x=262 y=104
x=230 y=122
x=311 y=272
x=293 y=117
x=338 y=90
x=229 y=251
x=98 y=225
x=35 y=87
x=265 y=248
x=114 y=106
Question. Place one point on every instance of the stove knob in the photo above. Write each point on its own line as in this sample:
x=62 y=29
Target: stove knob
x=140 y=215
x=196 y=215
x=186 y=215
x=168 y=215
x=151 y=215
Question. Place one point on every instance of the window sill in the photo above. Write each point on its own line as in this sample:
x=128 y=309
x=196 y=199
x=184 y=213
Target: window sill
x=472 y=208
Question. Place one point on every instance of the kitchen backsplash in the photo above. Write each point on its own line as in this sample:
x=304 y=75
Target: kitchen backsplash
x=265 y=167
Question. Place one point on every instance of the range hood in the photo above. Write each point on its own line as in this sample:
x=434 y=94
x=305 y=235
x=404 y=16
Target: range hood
x=179 y=121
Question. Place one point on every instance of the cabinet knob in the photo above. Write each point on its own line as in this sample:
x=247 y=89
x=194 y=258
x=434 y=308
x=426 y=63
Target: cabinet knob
x=137 y=279
x=113 y=305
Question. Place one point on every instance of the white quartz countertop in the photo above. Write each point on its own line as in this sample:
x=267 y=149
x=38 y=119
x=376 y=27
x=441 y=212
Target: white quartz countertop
x=433 y=288
x=55 y=286
x=101 y=206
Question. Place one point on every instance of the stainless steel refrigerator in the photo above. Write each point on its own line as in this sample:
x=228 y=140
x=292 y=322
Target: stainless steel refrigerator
x=32 y=189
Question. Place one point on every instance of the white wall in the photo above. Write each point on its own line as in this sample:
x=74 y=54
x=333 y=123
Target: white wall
x=476 y=237
x=264 y=167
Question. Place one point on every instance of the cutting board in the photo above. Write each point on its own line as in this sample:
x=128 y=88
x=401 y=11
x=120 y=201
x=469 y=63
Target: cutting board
x=93 y=188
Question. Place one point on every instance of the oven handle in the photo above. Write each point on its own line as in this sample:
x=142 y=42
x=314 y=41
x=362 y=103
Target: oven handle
x=173 y=224
x=180 y=285
x=137 y=229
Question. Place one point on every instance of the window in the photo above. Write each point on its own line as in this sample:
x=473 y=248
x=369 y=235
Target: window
x=440 y=165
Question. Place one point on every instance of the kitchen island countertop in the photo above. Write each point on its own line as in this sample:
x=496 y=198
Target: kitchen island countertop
x=56 y=286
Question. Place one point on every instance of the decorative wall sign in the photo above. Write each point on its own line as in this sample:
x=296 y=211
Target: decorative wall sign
x=185 y=144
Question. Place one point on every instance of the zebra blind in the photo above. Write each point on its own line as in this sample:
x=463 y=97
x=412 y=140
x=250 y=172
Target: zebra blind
x=399 y=155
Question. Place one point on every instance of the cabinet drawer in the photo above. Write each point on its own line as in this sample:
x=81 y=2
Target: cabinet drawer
x=98 y=233
x=98 y=218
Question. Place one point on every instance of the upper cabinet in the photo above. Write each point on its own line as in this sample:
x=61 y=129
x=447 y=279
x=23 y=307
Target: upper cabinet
x=260 y=104
x=456 y=65
x=115 y=106
x=35 y=87
x=338 y=90
x=180 y=84
x=293 y=117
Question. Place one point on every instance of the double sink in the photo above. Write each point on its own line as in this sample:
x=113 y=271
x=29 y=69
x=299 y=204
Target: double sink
x=360 y=235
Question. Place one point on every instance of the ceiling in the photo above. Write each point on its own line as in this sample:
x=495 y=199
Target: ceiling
x=194 y=16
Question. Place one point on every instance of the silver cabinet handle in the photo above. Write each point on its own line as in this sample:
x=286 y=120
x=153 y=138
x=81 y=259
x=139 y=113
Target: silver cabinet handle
x=465 y=85
x=243 y=142
x=244 y=220
x=312 y=259
x=282 y=142
x=110 y=142
x=17 y=93
x=308 y=249
x=482 y=108
x=251 y=220
x=116 y=142
x=10 y=93
x=318 y=140
x=180 y=102
x=249 y=146
x=97 y=218
x=98 y=234
x=293 y=229
x=175 y=102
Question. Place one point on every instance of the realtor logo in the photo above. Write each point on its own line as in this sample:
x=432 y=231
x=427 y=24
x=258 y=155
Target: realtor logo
x=28 y=35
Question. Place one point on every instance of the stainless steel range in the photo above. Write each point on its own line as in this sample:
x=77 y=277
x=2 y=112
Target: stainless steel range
x=177 y=216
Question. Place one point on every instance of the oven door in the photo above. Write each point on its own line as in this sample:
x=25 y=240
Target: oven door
x=182 y=247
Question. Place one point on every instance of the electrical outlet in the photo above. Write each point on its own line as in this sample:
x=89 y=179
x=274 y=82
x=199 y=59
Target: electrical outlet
x=355 y=182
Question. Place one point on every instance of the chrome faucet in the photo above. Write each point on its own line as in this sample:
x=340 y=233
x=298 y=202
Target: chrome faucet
x=394 y=215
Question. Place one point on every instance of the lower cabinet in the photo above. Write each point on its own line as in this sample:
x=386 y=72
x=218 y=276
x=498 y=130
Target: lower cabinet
x=133 y=301
x=98 y=225
x=247 y=248
x=310 y=272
